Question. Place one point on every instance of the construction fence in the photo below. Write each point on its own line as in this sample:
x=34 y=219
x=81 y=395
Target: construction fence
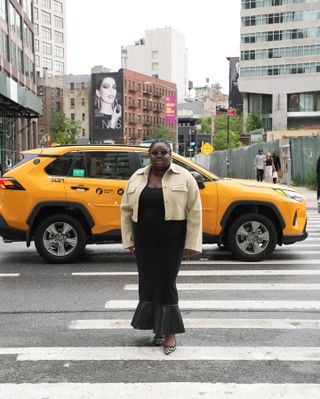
x=298 y=158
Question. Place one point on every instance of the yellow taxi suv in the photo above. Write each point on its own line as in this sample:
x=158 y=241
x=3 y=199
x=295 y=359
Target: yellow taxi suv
x=64 y=198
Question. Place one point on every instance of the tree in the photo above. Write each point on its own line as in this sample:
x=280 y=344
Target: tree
x=66 y=130
x=206 y=126
x=253 y=122
x=220 y=140
x=160 y=131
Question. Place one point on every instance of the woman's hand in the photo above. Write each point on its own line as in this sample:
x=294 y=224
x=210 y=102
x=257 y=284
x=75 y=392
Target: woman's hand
x=132 y=250
x=189 y=253
x=116 y=115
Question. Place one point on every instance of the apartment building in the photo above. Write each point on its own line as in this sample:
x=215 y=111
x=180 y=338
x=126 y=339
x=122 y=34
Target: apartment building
x=19 y=104
x=162 y=54
x=50 y=41
x=280 y=62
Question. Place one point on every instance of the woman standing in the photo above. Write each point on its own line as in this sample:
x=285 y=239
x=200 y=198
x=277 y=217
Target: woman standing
x=269 y=168
x=161 y=220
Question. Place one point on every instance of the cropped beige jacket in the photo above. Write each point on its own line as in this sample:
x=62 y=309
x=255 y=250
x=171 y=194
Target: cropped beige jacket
x=181 y=202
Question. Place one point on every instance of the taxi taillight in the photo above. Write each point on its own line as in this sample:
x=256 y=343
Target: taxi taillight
x=8 y=183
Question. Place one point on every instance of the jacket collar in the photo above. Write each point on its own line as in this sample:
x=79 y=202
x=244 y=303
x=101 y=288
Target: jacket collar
x=145 y=171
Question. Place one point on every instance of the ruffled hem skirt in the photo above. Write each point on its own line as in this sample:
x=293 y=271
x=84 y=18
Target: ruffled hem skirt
x=162 y=319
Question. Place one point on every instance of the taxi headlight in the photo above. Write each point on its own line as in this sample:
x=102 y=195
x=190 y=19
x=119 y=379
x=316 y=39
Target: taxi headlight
x=290 y=194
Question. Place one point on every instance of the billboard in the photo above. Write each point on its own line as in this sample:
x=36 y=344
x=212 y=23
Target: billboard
x=107 y=107
x=235 y=98
x=170 y=109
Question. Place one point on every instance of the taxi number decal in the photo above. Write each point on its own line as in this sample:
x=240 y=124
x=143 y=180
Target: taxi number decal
x=57 y=180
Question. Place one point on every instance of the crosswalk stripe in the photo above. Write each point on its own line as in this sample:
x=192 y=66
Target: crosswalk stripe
x=9 y=275
x=263 y=262
x=278 y=324
x=159 y=390
x=199 y=273
x=226 y=305
x=238 y=287
x=248 y=353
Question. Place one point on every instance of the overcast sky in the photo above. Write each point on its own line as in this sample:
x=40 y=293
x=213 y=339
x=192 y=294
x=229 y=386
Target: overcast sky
x=96 y=30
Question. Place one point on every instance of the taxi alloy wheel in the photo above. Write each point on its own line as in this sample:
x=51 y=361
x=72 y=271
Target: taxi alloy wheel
x=252 y=237
x=60 y=238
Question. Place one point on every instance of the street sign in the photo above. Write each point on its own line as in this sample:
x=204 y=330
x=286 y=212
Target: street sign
x=231 y=112
x=207 y=148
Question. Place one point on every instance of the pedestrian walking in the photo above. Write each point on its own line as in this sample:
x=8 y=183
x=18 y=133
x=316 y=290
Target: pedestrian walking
x=276 y=174
x=259 y=164
x=269 y=168
x=161 y=221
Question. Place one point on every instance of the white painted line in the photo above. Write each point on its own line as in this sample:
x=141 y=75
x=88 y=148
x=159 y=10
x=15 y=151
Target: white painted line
x=9 y=275
x=200 y=273
x=248 y=353
x=226 y=305
x=159 y=390
x=278 y=324
x=245 y=264
x=238 y=287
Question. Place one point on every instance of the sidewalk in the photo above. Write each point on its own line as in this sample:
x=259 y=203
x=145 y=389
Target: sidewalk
x=310 y=196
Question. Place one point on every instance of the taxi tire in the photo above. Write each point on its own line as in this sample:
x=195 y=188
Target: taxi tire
x=252 y=217
x=78 y=228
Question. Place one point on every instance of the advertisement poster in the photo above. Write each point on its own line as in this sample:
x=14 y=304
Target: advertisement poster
x=235 y=98
x=107 y=104
x=170 y=109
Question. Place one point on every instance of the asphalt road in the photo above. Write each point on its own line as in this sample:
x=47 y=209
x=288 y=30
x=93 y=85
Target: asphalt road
x=252 y=328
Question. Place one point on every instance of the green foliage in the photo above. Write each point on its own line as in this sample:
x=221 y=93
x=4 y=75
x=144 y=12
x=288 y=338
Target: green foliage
x=66 y=130
x=160 y=131
x=310 y=181
x=206 y=126
x=220 y=140
x=253 y=122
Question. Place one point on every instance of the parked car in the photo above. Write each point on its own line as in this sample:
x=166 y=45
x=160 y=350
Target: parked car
x=64 y=198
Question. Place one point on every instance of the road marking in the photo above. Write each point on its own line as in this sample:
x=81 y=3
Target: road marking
x=9 y=275
x=238 y=287
x=226 y=305
x=278 y=324
x=248 y=353
x=200 y=273
x=263 y=262
x=159 y=390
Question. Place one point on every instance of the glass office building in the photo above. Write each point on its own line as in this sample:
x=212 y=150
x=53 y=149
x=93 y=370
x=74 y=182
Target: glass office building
x=280 y=62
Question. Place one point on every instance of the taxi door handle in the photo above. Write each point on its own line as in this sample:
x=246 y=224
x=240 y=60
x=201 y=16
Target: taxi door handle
x=80 y=188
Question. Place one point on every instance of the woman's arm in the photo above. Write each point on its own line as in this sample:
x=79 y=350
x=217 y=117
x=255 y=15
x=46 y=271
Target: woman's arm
x=126 y=221
x=194 y=217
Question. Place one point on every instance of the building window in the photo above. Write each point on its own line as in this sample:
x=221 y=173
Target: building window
x=15 y=20
x=83 y=116
x=155 y=67
x=4 y=47
x=36 y=29
x=58 y=22
x=155 y=54
x=47 y=48
x=36 y=44
x=45 y=17
x=59 y=66
x=58 y=6
x=72 y=86
x=58 y=36
x=47 y=63
x=46 y=3
x=72 y=102
x=35 y=13
x=3 y=10
x=20 y=60
x=59 y=51
x=27 y=6
x=45 y=32
x=28 y=37
x=14 y=54
x=72 y=116
x=37 y=59
x=82 y=86
x=83 y=132
x=83 y=101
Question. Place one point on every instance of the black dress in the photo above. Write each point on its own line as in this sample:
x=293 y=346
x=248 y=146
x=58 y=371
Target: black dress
x=159 y=248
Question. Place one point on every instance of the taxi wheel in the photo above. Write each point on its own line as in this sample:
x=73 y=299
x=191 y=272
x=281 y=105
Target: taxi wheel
x=252 y=237
x=60 y=238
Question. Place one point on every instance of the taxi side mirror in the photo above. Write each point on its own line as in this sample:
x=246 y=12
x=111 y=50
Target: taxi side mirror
x=199 y=179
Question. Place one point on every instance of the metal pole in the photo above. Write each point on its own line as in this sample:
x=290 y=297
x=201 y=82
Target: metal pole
x=228 y=154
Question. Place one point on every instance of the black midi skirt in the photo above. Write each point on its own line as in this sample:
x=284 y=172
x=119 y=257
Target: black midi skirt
x=159 y=248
